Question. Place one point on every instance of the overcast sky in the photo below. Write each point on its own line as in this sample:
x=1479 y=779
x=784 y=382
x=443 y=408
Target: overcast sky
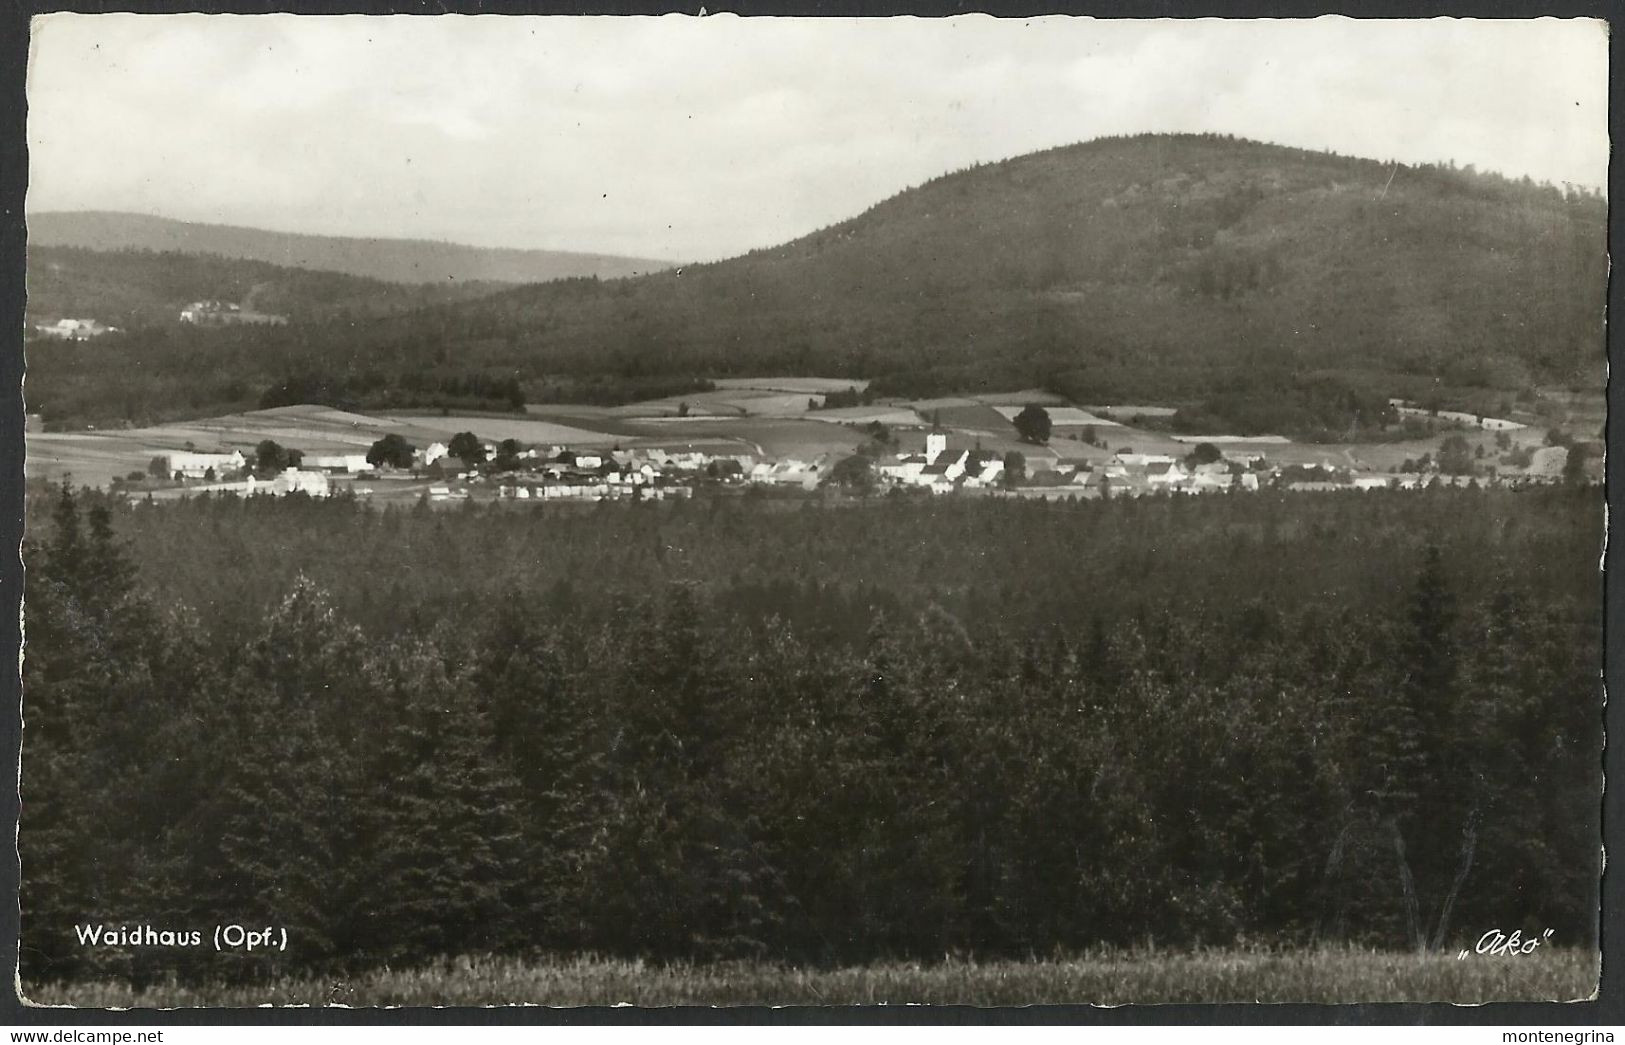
x=699 y=138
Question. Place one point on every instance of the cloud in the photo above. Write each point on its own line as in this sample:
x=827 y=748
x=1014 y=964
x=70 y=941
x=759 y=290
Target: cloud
x=698 y=138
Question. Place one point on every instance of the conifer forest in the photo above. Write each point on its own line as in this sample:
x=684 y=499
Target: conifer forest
x=821 y=732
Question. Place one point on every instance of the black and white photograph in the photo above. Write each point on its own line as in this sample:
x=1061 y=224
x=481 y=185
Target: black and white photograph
x=718 y=510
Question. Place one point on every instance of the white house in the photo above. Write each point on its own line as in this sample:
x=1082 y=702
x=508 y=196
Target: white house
x=983 y=469
x=1127 y=459
x=196 y=465
x=1166 y=475
x=290 y=480
x=905 y=469
x=296 y=480
x=945 y=467
x=336 y=462
x=226 y=313
x=1460 y=417
x=75 y=329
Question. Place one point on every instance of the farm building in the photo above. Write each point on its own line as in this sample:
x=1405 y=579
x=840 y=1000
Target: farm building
x=74 y=329
x=336 y=462
x=196 y=466
x=1168 y=475
x=226 y=313
x=983 y=468
x=906 y=469
x=292 y=480
x=1457 y=417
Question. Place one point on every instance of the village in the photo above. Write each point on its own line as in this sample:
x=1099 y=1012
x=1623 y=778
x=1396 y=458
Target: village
x=950 y=462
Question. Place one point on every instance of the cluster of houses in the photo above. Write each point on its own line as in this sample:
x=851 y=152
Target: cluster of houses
x=227 y=313
x=1155 y=473
x=535 y=473
x=229 y=473
x=1405 y=408
x=198 y=313
x=73 y=329
x=560 y=473
x=942 y=470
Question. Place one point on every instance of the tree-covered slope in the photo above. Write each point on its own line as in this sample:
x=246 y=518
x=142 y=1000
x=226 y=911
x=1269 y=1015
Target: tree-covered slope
x=1132 y=266
x=143 y=288
x=1156 y=268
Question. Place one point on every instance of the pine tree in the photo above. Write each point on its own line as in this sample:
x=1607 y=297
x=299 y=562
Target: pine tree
x=549 y=731
x=277 y=841
x=440 y=814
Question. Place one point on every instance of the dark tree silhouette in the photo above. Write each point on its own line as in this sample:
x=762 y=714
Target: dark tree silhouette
x=1033 y=424
x=392 y=451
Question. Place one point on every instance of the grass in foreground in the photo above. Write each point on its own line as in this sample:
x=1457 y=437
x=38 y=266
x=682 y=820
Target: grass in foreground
x=1335 y=975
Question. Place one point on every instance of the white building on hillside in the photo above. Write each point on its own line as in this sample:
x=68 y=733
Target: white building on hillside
x=336 y=462
x=290 y=480
x=196 y=466
x=75 y=329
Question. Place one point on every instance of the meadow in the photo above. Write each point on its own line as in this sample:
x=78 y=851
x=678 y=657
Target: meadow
x=1332 y=975
x=798 y=385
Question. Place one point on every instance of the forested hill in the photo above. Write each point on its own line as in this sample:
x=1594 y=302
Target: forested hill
x=144 y=288
x=1154 y=265
x=394 y=260
x=1274 y=289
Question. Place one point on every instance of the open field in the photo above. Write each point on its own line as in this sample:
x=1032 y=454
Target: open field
x=1060 y=416
x=803 y=386
x=1234 y=440
x=740 y=403
x=862 y=415
x=524 y=429
x=1022 y=398
x=972 y=416
x=96 y=458
x=1133 y=978
x=773 y=436
x=1129 y=412
x=606 y=419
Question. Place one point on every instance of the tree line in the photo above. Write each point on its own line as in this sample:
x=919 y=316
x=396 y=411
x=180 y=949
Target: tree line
x=657 y=767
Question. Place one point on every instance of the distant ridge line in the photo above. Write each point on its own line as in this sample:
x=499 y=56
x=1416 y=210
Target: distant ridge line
x=393 y=260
